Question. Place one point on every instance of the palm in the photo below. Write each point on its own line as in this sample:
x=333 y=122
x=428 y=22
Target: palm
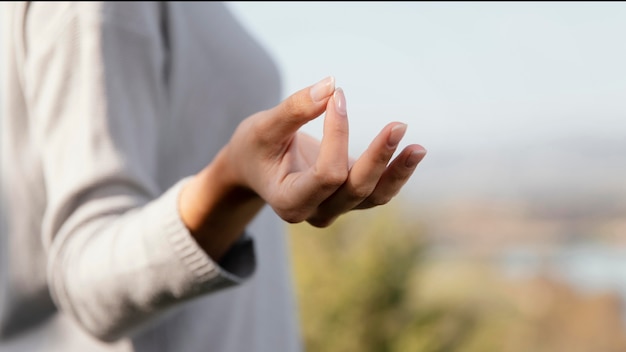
x=295 y=163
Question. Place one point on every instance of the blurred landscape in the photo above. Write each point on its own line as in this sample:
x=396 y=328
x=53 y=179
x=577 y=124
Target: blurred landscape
x=518 y=249
x=511 y=236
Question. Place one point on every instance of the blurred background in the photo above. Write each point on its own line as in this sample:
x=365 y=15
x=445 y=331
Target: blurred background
x=511 y=236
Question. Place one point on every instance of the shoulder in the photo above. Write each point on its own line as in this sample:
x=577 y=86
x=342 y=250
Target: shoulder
x=45 y=19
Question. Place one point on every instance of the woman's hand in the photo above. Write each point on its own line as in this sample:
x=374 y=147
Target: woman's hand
x=268 y=161
x=304 y=179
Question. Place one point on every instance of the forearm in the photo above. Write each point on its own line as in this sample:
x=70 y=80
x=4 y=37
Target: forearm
x=113 y=271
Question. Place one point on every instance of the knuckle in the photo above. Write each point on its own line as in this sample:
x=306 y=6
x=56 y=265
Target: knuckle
x=358 y=193
x=380 y=199
x=320 y=223
x=291 y=216
x=332 y=178
x=399 y=174
x=257 y=130
x=340 y=131
x=296 y=106
x=382 y=158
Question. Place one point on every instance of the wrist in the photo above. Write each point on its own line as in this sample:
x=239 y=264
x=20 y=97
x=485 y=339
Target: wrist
x=222 y=177
x=216 y=207
x=214 y=188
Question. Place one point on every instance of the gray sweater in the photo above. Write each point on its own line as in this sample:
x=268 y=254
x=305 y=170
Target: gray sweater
x=108 y=109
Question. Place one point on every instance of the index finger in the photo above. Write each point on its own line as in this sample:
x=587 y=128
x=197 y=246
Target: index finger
x=283 y=120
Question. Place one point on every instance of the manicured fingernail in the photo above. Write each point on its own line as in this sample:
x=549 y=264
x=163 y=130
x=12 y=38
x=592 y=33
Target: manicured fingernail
x=396 y=134
x=322 y=89
x=414 y=158
x=340 y=101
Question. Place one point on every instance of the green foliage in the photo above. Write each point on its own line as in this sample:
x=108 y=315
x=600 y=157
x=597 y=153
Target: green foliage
x=357 y=292
x=370 y=282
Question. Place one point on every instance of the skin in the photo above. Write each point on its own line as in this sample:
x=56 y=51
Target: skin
x=268 y=161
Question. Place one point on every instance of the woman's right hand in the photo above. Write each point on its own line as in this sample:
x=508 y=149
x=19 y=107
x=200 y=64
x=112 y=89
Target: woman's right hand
x=304 y=179
x=268 y=161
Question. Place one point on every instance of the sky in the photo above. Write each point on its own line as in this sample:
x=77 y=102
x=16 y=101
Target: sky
x=503 y=95
x=464 y=76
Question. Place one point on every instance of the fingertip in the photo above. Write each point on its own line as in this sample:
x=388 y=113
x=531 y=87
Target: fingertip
x=339 y=99
x=322 y=89
x=416 y=154
x=396 y=133
x=419 y=148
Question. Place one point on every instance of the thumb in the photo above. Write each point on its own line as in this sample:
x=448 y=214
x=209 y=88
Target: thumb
x=288 y=116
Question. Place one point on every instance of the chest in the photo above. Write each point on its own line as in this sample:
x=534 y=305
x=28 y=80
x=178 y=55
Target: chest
x=218 y=74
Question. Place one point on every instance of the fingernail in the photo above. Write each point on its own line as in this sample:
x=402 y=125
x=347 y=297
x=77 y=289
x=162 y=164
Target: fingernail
x=340 y=101
x=322 y=89
x=396 y=134
x=414 y=158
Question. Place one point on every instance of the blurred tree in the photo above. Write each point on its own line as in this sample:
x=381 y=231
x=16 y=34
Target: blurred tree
x=370 y=283
x=354 y=284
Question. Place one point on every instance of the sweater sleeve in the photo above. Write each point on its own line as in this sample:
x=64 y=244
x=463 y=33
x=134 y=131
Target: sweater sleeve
x=118 y=252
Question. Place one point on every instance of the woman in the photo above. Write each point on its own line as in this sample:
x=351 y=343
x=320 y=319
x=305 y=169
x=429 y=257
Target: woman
x=148 y=169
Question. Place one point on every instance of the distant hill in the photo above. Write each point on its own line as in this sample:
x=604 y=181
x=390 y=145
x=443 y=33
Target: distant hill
x=568 y=169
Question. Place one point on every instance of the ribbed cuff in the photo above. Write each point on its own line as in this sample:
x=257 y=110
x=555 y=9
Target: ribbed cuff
x=238 y=264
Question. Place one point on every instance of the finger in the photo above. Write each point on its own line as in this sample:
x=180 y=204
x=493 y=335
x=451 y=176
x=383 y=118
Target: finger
x=283 y=120
x=333 y=155
x=364 y=174
x=331 y=168
x=395 y=176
